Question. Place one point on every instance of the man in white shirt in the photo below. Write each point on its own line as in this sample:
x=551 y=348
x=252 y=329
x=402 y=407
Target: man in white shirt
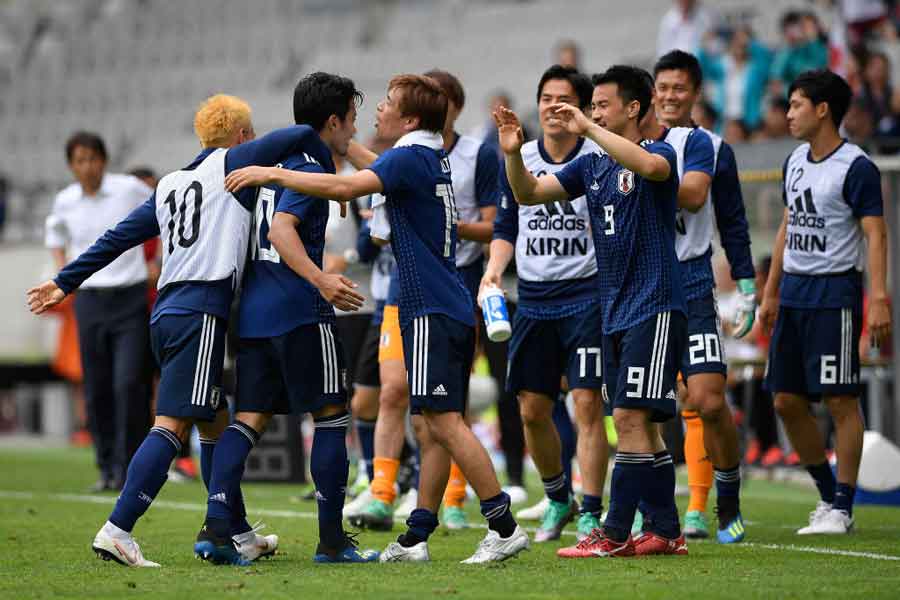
x=111 y=308
x=683 y=27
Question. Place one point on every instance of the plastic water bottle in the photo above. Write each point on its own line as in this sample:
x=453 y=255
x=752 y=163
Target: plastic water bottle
x=496 y=317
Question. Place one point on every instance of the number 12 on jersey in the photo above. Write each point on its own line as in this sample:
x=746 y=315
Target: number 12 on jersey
x=444 y=191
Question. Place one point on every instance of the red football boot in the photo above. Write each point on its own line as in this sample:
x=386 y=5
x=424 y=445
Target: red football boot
x=597 y=545
x=651 y=544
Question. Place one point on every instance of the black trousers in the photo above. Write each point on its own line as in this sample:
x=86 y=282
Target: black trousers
x=113 y=334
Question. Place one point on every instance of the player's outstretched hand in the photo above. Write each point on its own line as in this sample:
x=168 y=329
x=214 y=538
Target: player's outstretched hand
x=248 y=177
x=879 y=320
x=509 y=130
x=768 y=310
x=573 y=118
x=339 y=292
x=44 y=297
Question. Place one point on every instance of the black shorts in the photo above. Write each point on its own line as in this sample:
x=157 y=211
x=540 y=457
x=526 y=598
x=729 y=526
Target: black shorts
x=542 y=351
x=815 y=352
x=298 y=372
x=703 y=353
x=190 y=350
x=366 y=372
x=641 y=365
x=438 y=353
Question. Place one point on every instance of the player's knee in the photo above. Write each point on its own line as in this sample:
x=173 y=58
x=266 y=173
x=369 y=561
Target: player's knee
x=790 y=407
x=535 y=409
x=256 y=421
x=588 y=408
x=843 y=408
x=364 y=403
x=394 y=396
x=445 y=426
x=180 y=427
x=712 y=406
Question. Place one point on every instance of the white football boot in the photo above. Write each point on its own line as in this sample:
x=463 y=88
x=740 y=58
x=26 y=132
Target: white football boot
x=407 y=505
x=251 y=545
x=355 y=506
x=534 y=513
x=822 y=509
x=831 y=522
x=112 y=543
x=396 y=552
x=494 y=548
x=517 y=494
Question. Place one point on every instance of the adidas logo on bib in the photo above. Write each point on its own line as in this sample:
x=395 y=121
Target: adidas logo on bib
x=439 y=390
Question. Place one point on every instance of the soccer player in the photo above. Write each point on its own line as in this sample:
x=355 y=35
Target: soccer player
x=473 y=169
x=833 y=212
x=557 y=326
x=289 y=359
x=205 y=230
x=435 y=308
x=631 y=194
x=708 y=187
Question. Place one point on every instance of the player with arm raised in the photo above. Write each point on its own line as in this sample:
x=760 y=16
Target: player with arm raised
x=204 y=230
x=557 y=327
x=435 y=308
x=289 y=359
x=631 y=194
x=709 y=189
x=833 y=226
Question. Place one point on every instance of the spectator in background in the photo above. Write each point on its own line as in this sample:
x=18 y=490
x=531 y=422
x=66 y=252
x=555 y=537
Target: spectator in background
x=738 y=77
x=804 y=49
x=568 y=54
x=880 y=97
x=863 y=17
x=704 y=115
x=684 y=26
x=859 y=124
x=774 y=122
x=488 y=133
x=111 y=306
x=735 y=131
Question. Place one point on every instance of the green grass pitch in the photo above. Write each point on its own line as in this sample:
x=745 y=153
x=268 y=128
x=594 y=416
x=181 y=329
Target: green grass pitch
x=47 y=523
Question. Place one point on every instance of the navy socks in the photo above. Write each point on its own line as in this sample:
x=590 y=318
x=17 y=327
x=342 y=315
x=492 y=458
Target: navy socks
x=365 y=429
x=330 y=468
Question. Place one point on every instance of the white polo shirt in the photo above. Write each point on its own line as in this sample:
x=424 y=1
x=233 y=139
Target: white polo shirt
x=77 y=220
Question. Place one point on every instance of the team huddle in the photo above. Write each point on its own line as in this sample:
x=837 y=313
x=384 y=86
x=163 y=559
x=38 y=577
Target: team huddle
x=610 y=215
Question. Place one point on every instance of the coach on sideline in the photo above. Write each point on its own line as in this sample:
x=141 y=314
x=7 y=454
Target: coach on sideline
x=111 y=306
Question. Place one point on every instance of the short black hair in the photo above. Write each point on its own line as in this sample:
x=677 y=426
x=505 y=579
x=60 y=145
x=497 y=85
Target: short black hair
x=451 y=85
x=679 y=60
x=579 y=81
x=320 y=95
x=89 y=140
x=633 y=84
x=822 y=85
x=143 y=173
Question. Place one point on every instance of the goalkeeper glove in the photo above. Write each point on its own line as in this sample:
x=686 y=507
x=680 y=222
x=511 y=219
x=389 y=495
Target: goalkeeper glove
x=746 y=313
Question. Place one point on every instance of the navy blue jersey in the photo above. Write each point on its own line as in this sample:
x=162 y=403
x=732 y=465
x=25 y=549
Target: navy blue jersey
x=212 y=297
x=633 y=226
x=415 y=176
x=275 y=299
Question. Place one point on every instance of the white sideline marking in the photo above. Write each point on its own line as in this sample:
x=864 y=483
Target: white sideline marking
x=296 y=514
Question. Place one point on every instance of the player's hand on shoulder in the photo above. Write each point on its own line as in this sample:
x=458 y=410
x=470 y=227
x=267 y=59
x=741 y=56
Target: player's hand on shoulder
x=573 y=118
x=45 y=296
x=509 y=130
x=248 y=177
x=768 y=310
x=339 y=292
x=879 y=320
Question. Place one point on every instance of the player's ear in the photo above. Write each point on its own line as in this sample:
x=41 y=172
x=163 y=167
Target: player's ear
x=821 y=110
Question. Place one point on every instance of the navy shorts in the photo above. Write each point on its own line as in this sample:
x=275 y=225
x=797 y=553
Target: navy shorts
x=438 y=352
x=366 y=372
x=190 y=350
x=815 y=352
x=704 y=352
x=300 y=371
x=542 y=351
x=641 y=365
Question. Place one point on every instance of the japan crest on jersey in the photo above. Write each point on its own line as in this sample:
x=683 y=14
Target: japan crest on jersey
x=626 y=181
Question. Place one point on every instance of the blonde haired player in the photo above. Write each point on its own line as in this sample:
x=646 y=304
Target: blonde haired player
x=205 y=231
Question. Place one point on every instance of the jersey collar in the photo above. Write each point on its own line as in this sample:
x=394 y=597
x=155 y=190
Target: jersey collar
x=570 y=156
x=420 y=137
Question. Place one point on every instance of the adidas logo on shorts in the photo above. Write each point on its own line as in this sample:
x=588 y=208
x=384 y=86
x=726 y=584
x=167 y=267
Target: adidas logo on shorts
x=670 y=395
x=220 y=497
x=439 y=390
